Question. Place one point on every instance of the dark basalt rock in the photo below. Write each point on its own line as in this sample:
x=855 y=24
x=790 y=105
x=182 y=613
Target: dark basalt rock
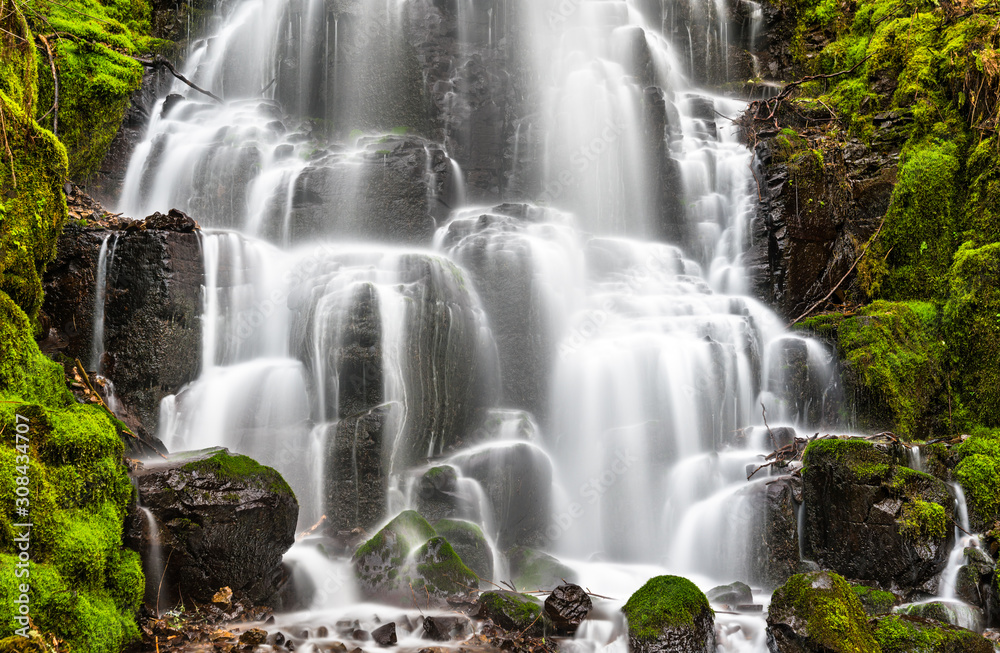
x=567 y=606
x=517 y=480
x=867 y=517
x=669 y=614
x=976 y=584
x=356 y=480
x=225 y=520
x=385 y=635
x=174 y=220
x=445 y=628
x=774 y=536
x=818 y=613
x=470 y=544
x=947 y=612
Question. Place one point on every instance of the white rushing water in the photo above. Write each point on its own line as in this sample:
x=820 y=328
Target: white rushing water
x=614 y=307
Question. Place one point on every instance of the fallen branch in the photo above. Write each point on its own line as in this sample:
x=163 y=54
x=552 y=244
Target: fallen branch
x=159 y=61
x=843 y=278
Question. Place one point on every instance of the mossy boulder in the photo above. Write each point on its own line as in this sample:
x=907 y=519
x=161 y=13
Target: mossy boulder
x=670 y=613
x=818 y=613
x=407 y=556
x=905 y=634
x=469 y=543
x=85 y=587
x=867 y=516
x=226 y=519
x=536 y=570
x=514 y=612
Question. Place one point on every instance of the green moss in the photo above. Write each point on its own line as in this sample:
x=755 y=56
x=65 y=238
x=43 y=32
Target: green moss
x=900 y=634
x=470 y=543
x=831 y=613
x=96 y=74
x=240 y=469
x=860 y=457
x=923 y=519
x=978 y=472
x=402 y=535
x=874 y=601
x=535 y=570
x=664 y=602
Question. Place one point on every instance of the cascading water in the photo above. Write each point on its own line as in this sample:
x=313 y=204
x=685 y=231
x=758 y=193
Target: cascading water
x=343 y=323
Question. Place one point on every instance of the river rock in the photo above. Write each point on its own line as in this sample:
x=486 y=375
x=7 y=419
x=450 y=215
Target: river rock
x=226 y=520
x=443 y=628
x=670 y=614
x=870 y=518
x=385 y=635
x=906 y=633
x=408 y=556
x=976 y=584
x=730 y=595
x=818 y=613
x=517 y=480
x=773 y=545
x=514 y=612
x=567 y=606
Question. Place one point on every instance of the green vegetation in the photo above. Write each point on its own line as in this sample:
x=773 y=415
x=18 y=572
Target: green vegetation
x=664 y=602
x=241 y=469
x=923 y=519
x=830 y=613
x=441 y=570
x=898 y=634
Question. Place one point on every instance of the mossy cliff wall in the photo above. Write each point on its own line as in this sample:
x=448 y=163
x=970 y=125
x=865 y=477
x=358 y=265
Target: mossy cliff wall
x=882 y=169
x=60 y=461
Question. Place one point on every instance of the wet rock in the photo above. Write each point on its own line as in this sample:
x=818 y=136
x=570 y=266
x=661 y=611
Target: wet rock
x=567 y=606
x=385 y=635
x=226 y=519
x=976 y=584
x=514 y=612
x=470 y=544
x=384 y=194
x=534 y=570
x=773 y=545
x=445 y=628
x=732 y=595
x=905 y=633
x=670 y=614
x=868 y=517
x=517 y=480
x=408 y=556
x=438 y=494
x=106 y=182
x=818 y=613
x=955 y=613
x=174 y=220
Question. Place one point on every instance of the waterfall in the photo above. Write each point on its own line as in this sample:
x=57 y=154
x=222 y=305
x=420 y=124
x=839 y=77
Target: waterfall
x=362 y=321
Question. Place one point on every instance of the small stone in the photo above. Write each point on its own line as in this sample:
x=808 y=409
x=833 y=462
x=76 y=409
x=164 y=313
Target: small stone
x=445 y=628
x=322 y=631
x=224 y=596
x=253 y=637
x=361 y=635
x=385 y=635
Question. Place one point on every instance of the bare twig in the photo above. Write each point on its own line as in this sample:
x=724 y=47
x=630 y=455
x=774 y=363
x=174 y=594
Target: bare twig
x=159 y=61
x=763 y=414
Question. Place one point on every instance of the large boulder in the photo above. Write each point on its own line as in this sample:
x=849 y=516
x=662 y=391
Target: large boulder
x=902 y=634
x=955 y=613
x=517 y=480
x=818 y=613
x=470 y=544
x=868 y=517
x=222 y=520
x=407 y=556
x=670 y=614
x=774 y=536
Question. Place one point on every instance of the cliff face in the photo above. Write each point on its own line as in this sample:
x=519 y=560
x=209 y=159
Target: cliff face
x=877 y=179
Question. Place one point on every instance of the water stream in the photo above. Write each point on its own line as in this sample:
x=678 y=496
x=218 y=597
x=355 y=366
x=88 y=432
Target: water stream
x=603 y=327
